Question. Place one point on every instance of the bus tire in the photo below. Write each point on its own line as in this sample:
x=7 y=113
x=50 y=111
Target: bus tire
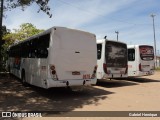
x=9 y=70
x=24 y=78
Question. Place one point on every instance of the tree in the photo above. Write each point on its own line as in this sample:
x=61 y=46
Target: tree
x=5 y=30
x=1 y=14
x=11 y=4
x=26 y=30
x=43 y=5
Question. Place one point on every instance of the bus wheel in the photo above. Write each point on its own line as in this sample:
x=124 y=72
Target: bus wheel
x=24 y=79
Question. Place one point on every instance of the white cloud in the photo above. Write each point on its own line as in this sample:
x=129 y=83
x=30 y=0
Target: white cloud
x=78 y=13
x=102 y=17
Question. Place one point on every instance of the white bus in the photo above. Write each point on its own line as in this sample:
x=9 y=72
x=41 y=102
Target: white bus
x=57 y=57
x=140 y=60
x=111 y=59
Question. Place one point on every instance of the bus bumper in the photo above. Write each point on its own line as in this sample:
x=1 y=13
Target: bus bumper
x=106 y=76
x=50 y=83
x=146 y=73
x=140 y=73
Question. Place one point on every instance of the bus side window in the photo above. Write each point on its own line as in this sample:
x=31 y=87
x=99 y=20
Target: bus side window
x=131 y=54
x=42 y=45
x=42 y=53
x=33 y=53
x=99 y=51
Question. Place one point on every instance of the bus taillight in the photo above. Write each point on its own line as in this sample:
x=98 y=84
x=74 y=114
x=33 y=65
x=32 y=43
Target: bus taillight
x=126 y=71
x=53 y=72
x=140 y=67
x=94 y=72
x=105 y=68
x=52 y=67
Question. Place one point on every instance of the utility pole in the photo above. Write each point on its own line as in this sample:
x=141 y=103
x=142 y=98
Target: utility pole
x=155 y=51
x=1 y=18
x=117 y=34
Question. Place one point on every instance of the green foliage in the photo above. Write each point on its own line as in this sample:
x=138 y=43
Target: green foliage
x=4 y=30
x=25 y=31
x=3 y=49
x=158 y=68
x=43 y=5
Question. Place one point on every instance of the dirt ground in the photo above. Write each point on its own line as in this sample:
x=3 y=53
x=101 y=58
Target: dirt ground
x=131 y=94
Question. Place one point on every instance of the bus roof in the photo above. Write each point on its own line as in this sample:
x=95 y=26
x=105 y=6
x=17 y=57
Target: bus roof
x=46 y=32
x=134 y=46
x=103 y=40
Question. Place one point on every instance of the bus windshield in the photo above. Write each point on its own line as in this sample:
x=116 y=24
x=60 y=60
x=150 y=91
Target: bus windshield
x=116 y=54
x=146 y=52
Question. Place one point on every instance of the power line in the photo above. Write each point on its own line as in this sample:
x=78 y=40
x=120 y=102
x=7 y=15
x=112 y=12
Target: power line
x=87 y=11
x=92 y=12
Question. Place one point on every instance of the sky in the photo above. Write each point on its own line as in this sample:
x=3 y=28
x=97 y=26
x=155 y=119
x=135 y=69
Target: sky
x=131 y=18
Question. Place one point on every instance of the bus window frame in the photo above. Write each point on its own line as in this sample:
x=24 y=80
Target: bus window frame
x=109 y=48
x=29 y=48
x=133 y=54
x=99 y=51
x=143 y=56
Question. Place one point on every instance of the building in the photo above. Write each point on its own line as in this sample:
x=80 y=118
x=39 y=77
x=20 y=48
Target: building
x=158 y=61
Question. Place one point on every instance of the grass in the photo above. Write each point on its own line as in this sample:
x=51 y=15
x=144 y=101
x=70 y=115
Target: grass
x=158 y=69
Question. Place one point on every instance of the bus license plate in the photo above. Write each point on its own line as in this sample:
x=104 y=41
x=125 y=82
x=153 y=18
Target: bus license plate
x=121 y=72
x=75 y=73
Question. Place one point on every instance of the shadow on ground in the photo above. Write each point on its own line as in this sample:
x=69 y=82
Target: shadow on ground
x=114 y=83
x=2 y=118
x=15 y=97
x=141 y=80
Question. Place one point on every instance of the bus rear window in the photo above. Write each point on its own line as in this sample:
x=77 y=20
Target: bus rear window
x=146 y=52
x=116 y=54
